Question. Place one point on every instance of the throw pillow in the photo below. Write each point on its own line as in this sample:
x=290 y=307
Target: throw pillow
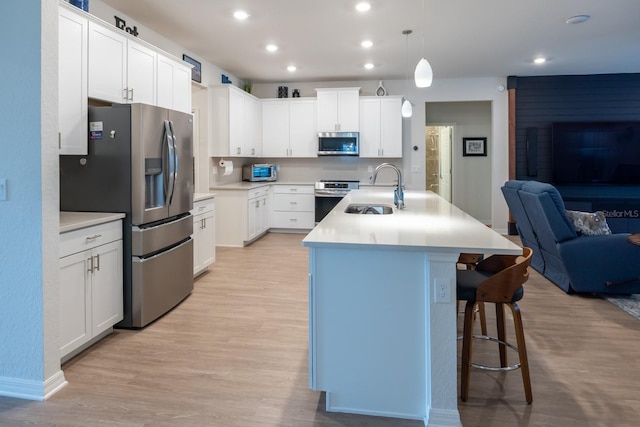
x=589 y=223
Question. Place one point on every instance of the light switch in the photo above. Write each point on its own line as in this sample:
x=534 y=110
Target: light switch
x=3 y=188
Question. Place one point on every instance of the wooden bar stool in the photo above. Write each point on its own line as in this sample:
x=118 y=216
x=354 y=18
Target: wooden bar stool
x=497 y=279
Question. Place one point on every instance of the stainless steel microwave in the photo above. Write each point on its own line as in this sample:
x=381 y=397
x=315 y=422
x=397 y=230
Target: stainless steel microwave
x=338 y=144
x=260 y=172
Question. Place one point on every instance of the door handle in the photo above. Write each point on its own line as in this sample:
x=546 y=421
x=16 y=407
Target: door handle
x=97 y=262
x=90 y=262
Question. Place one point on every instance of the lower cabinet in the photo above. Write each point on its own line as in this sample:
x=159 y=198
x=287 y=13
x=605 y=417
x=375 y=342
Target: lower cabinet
x=258 y=212
x=293 y=206
x=204 y=235
x=91 y=294
x=242 y=215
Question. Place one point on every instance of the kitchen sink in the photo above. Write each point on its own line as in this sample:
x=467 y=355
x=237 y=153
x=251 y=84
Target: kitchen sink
x=366 y=209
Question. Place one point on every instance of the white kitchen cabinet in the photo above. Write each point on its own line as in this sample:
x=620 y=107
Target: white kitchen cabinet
x=174 y=84
x=236 y=123
x=243 y=214
x=204 y=235
x=289 y=128
x=381 y=126
x=258 y=212
x=338 y=110
x=293 y=207
x=107 y=64
x=142 y=73
x=120 y=70
x=72 y=82
x=91 y=279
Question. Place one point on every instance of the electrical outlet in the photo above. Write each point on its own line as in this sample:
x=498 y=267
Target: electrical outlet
x=441 y=289
x=3 y=188
x=370 y=169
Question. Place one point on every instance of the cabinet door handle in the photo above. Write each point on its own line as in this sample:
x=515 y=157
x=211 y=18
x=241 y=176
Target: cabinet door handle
x=238 y=150
x=131 y=94
x=293 y=203
x=59 y=140
x=90 y=262
x=253 y=151
x=97 y=262
x=94 y=237
x=125 y=94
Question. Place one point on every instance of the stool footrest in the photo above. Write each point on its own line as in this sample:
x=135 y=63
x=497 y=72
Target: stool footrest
x=496 y=368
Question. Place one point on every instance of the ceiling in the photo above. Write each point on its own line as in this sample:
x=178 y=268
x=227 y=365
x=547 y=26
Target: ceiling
x=462 y=38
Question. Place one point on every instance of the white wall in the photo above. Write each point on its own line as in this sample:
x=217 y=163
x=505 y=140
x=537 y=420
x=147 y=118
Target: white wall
x=29 y=221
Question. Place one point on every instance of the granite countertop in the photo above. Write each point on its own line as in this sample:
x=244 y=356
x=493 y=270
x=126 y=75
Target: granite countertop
x=428 y=221
x=70 y=221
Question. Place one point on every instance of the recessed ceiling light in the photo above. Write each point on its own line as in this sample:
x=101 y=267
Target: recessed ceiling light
x=366 y=44
x=271 y=47
x=577 y=19
x=540 y=60
x=240 y=15
x=363 y=6
x=369 y=66
x=291 y=68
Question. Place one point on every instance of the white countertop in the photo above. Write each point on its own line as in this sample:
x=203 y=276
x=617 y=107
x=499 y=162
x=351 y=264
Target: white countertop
x=202 y=196
x=70 y=221
x=428 y=221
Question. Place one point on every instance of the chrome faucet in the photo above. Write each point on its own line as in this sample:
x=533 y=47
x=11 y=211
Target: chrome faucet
x=398 y=193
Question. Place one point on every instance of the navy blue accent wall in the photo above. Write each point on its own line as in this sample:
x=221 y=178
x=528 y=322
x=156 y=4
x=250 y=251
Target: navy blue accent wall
x=540 y=101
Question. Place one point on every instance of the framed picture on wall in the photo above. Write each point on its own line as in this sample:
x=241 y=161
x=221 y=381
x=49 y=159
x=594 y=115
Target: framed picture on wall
x=474 y=146
x=196 y=71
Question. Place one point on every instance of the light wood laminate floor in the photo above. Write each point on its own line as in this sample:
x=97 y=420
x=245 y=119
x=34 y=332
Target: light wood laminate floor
x=234 y=353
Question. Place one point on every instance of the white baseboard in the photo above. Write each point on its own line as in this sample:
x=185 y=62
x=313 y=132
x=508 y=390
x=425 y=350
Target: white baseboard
x=30 y=389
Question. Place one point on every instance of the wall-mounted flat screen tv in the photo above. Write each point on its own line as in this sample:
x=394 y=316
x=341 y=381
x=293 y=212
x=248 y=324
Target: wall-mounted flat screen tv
x=605 y=153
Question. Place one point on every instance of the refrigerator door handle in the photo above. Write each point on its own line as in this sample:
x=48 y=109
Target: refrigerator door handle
x=174 y=171
x=170 y=149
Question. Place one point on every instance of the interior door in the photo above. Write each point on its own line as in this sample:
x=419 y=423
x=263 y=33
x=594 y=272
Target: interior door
x=444 y=180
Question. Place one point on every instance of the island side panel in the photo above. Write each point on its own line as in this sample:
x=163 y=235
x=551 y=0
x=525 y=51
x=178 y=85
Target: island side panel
x=441 y=342
x=367 y=329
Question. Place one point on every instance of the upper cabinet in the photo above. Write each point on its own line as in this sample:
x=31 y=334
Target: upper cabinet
x=289 y=127
x=235 y=123
x=98 y=61
x=381 y=126
x=72 y=83
x=120 y=70
x=174 y=84
x=338 y=110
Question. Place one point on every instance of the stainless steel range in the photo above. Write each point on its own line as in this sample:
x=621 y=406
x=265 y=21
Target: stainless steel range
x=328 y=193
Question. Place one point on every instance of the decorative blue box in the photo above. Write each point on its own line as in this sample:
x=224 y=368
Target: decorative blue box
x=82 y=4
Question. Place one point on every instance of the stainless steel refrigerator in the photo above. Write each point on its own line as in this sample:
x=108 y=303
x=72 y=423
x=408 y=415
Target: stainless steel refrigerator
x=139 y=162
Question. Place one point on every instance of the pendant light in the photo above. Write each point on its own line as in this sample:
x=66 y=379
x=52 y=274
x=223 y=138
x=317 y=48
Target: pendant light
x=407 y=109
x=423 y=73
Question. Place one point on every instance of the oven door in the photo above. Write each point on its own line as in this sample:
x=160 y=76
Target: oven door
x=325 y=203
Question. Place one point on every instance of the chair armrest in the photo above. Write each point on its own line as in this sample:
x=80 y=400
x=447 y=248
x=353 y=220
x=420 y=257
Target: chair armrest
x=593 y=261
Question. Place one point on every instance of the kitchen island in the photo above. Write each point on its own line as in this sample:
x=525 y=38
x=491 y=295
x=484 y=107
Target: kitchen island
x=382 y=305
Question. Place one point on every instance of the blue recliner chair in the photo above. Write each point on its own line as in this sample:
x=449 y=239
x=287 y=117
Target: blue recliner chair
x=586 y=264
